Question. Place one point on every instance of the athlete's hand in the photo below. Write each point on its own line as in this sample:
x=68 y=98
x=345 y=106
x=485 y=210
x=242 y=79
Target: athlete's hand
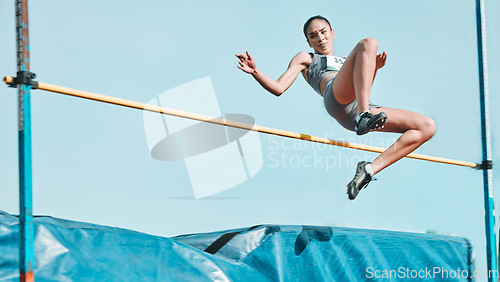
x=247 y=63
x=380 y=60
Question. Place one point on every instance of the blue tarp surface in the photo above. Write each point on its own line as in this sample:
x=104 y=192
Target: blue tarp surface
x=75 y=251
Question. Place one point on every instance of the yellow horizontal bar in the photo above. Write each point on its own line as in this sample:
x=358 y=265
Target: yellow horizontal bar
x=225 y=122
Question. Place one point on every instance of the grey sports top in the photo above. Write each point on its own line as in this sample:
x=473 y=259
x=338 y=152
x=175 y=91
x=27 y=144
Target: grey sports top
x=322 y=65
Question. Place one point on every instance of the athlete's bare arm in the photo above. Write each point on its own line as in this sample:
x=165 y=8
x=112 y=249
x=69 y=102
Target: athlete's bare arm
x=298 y=63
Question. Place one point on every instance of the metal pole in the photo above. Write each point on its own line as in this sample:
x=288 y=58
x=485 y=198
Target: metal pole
x=486 y=143
x=26 y=256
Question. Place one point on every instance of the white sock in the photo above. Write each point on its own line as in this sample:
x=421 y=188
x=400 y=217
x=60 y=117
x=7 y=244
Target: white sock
x=369 y=169
x=359 y=116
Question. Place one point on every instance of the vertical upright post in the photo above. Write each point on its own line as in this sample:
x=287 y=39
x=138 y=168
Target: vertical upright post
x=26 y=256
x=486 y=143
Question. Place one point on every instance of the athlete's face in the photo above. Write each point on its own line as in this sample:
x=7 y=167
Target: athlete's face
x=320 y=37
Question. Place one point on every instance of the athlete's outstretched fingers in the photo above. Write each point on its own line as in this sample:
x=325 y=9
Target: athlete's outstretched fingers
x=247 y=65
x=241 y=57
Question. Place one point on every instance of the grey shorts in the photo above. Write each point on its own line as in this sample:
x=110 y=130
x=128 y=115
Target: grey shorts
x=344 y=114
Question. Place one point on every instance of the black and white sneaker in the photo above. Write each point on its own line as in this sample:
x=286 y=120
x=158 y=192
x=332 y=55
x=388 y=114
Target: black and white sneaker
x=360 y=180
x=368 y=121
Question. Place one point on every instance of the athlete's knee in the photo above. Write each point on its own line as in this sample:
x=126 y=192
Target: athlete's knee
x=427 y=128
x=370 y=44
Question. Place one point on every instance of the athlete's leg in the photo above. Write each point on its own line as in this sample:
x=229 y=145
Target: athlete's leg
x=355 y=78
x=416 y=129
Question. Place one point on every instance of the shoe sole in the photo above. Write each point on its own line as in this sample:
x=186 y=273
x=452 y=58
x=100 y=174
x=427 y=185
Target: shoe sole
x=352 y=192
x=378 y=124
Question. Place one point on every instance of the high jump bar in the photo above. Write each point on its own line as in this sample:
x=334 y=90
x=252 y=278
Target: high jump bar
x=226 y=122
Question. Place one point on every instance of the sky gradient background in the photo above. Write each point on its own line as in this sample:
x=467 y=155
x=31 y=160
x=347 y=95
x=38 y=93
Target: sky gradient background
x=91 y=160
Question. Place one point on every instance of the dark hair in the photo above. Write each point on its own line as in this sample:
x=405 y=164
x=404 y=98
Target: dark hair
x=308 y=23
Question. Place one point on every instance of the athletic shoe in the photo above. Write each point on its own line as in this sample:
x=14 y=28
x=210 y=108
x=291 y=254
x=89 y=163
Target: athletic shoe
x=368 y=122
x=360 y=181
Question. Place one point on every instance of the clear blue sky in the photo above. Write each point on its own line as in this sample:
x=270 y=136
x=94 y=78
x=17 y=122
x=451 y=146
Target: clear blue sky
x=91 y=161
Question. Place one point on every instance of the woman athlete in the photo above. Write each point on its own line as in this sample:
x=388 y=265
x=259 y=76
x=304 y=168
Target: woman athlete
x=345 y=85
